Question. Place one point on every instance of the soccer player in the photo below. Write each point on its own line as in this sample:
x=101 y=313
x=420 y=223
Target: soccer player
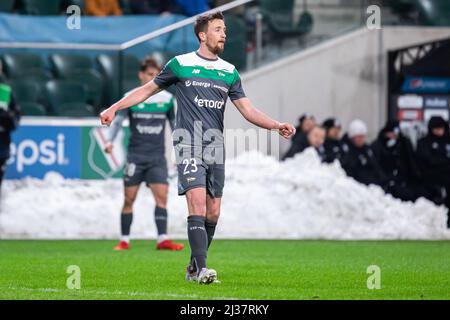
x=203 y=83
x=145 y=160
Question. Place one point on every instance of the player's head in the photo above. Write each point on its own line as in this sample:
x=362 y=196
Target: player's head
x=210 y=30
x=148 y=69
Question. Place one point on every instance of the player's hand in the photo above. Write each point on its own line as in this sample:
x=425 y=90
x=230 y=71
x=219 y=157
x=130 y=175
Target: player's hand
x=286 y=130
x=109 y=148
x=107 y=116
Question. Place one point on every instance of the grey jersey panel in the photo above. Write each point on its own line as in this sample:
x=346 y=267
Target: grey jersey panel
x=147 y=127
x=202 y=89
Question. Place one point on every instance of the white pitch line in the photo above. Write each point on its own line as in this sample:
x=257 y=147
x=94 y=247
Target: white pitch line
x=116 y=292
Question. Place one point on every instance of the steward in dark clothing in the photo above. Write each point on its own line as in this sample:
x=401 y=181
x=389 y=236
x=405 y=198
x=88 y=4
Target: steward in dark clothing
x=395 y=154
x=433 y=153
x=361 y=164
x=9 y=118
x=333 y=144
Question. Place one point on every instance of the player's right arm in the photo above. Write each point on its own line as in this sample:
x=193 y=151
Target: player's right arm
x=116 y=126
x=134 y=98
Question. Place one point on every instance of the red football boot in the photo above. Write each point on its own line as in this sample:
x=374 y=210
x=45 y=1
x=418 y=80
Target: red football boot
x=169 y=245
x=123 y=245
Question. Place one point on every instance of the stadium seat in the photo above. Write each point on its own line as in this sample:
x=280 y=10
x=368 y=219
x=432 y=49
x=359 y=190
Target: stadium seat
x=108 y=65
x=26 y=90
x=62 y=94
x=77 y=110
x=434 y=13
x=17 y=65
x=40 y=7
x=80 y=69
x=6 y=5
x=32 y=109
x=278 y=15
x=235 y=48
x=93 y=83
x=28 y=95
x=64 y=64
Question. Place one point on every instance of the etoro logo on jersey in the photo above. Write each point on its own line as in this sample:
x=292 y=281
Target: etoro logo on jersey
x=206 y=103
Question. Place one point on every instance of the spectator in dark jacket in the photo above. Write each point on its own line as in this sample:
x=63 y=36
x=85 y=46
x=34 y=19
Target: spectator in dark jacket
x=433 y=153
x=358 y=161
x=9 y=118
x=333 y=144
x=395 y=154
x=305 y=123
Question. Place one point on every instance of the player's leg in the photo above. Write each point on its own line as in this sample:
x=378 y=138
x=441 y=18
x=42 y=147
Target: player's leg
x=212 y=216
x=133 y=176
x=160 y=192
x=126 y=216
x=198 y=238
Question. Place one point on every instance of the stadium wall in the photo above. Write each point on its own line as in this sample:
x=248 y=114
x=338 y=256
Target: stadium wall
x=344 y=77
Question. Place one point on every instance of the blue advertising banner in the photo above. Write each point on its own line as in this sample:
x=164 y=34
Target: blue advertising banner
x=36 y=150
x=426 y=85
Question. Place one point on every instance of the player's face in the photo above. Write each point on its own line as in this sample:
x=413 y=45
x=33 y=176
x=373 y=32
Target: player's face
x=215 y=36
x=148 y=75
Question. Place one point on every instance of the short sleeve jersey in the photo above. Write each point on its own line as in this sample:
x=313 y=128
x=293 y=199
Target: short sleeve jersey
x=202 y=89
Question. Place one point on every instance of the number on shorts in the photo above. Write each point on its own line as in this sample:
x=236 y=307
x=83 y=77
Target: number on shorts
x=190 y=162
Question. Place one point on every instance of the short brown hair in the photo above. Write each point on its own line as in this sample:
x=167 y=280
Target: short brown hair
x=201 y=23
x=148 y=62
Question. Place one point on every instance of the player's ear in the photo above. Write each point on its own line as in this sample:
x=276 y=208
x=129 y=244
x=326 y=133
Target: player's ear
x=202 y=36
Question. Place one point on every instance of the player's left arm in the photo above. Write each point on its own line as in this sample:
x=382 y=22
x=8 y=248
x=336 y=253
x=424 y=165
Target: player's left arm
x=260 y=119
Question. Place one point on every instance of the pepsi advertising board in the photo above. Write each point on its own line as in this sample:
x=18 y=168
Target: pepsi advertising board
x=36 y=150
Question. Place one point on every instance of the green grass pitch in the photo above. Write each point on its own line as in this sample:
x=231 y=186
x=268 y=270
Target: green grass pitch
x=256 y=269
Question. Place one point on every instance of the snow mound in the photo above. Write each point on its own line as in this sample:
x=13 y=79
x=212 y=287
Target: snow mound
x=300 y=198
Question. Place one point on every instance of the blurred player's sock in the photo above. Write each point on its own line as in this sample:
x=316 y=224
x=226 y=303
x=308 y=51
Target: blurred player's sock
x=161 y=223
x=210 y=230
x=125 y=221
x=198 y=240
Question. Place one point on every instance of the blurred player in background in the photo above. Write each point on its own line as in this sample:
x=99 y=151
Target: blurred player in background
x=9 y=119
x=146 y=160
x=203 y=82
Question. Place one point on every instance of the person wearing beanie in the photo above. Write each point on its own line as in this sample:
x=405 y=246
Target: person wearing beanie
x=433 y=153
x=358 y=160
x=306 y=122
x=394 y=152
x=333 y=144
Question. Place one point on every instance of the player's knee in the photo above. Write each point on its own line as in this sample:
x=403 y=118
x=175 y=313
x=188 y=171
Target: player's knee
x=198 y=205
x=129 y=201
x=161 y=200
x=213 y=215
